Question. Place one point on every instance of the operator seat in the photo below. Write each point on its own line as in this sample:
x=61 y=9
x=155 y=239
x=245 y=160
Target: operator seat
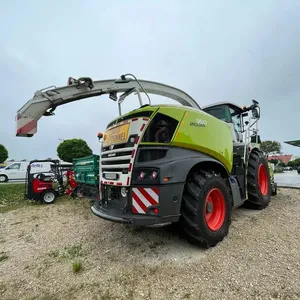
x=162 y=134
x=43 y=177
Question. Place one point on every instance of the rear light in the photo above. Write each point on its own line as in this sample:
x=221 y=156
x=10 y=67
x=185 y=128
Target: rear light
x=148 y=174
x=155 y=210
x=142 y=175
x=154 y=175
x=145 y=176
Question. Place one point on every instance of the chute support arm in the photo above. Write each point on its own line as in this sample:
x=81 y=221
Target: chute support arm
x=45 y=101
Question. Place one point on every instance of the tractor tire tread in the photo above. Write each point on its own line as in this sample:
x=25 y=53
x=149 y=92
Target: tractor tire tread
x=255 y=199
x=191 y=227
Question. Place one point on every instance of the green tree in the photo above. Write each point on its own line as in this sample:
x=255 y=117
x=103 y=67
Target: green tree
x=3 y=154
x=274 y=161
x=296 y=162
x=282 y=164
x=73 y=148
x=271 y=147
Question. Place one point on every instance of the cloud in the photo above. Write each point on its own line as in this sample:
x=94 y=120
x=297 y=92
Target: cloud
x=219 y=51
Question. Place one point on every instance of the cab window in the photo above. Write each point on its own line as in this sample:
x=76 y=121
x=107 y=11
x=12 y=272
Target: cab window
x=236 y=119
x=221 y=112
x=13 y=167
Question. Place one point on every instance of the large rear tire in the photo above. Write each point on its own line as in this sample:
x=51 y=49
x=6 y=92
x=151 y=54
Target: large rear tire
x=258 y=181
x=206 y=209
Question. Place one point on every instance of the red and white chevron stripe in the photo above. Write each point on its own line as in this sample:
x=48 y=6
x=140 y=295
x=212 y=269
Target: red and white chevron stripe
x=26 y=126
x=142 y=198
x=136 y=143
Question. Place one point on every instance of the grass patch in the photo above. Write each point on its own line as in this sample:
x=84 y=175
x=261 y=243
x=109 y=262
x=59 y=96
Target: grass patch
x=76 y=266
x=3 y=288
x=74 y=251
x=70 y=252
x=53 y=253
x=12 y=196
x=3 y=256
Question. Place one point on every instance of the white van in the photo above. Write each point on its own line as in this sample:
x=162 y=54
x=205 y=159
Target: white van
x=17 y=170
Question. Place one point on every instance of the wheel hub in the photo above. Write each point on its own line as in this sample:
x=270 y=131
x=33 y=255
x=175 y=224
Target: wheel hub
x=49 y=197
x=209 y=208
x=263 y=180
x=215 y=209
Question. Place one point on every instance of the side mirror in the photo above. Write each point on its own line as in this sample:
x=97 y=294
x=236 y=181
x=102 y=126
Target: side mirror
x=255 y=113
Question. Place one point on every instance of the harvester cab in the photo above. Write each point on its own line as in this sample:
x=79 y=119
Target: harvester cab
x=164 y=164
x=244 y=123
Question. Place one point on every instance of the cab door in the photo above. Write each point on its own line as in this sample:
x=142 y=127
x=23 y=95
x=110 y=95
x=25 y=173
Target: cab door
x=22 y=171
x=12 y=171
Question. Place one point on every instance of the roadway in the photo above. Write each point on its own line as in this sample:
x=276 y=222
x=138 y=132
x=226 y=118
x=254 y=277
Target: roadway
x=288 y=178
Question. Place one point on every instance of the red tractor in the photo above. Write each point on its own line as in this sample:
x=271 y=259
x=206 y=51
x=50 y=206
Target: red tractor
x=47 y=186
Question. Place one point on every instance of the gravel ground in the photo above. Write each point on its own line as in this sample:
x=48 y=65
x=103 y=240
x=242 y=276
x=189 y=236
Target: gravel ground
x=260 y=258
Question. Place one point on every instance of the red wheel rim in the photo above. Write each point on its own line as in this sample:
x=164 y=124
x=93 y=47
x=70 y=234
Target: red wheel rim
x=263 y=180
x=215 y=209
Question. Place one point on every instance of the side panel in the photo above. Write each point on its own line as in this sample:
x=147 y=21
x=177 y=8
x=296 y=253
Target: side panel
x=176 y=113
x=86 y=169
x=175 y=165
x=204 y=133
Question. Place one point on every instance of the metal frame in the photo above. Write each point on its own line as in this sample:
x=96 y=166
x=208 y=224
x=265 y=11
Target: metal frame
x=45 y=101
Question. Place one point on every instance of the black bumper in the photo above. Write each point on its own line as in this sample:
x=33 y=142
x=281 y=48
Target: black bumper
x=134 y=219
x=169 y=208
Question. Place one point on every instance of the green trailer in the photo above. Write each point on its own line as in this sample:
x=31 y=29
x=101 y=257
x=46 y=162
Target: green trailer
x=86 y=173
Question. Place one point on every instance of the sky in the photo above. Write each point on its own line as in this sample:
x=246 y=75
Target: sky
x=215 y=51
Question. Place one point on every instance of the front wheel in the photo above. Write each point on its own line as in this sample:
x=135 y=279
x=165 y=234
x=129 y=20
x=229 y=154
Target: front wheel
x=48 y=197
x=206 y=209
x=77 y=192
x=3 y=178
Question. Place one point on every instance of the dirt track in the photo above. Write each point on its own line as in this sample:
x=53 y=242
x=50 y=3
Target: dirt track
x=260 y=258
